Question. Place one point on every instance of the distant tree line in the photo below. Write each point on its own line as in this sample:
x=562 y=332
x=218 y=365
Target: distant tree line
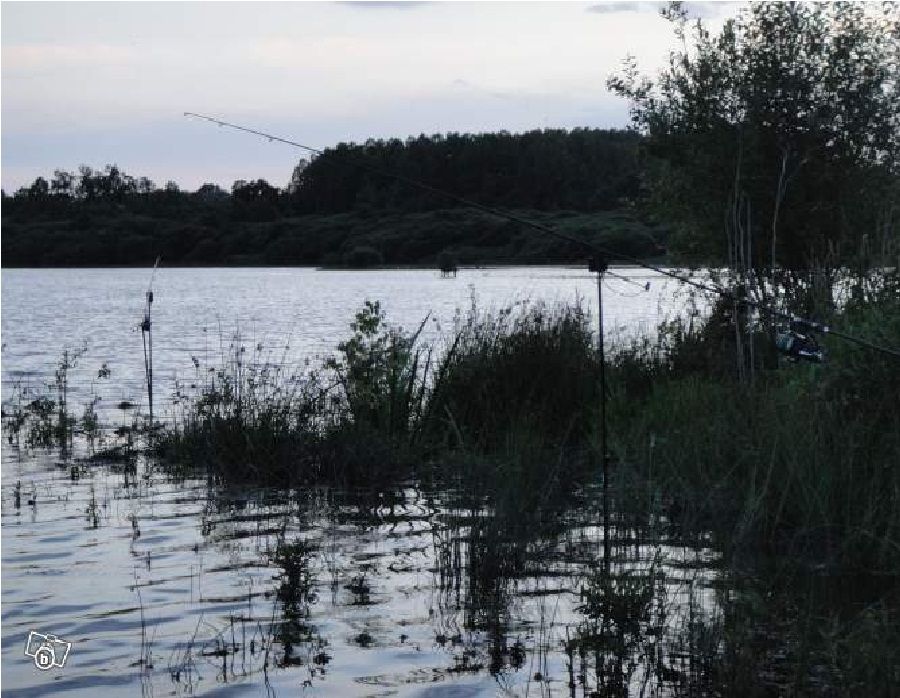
x=583 y=169
x=334 y=204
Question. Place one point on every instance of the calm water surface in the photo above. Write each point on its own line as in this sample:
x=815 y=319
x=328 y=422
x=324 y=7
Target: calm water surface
x=169 y=586
x=198 y=312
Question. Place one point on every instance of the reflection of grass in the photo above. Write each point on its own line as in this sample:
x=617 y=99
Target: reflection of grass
x=633 y=632
x=295 y=594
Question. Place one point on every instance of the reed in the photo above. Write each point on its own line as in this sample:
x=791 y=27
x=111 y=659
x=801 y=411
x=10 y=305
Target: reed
x=802 y=460
x=247 y=420
x=532 y=369
x=40 y=417
x=384 y=404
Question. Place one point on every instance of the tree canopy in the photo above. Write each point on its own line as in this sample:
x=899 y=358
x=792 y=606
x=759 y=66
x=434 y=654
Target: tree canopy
x=335 y=212
x=775 y=143
x=582 y=169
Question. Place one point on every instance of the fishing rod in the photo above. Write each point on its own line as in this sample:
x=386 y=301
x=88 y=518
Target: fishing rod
x=796 y=345
x=597 y=249
x=147 y=340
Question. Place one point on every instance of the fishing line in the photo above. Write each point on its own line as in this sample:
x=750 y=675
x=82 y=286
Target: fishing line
x=595 y=248
x=622 y=294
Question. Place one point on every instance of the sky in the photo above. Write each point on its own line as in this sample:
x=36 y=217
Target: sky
x=108 y=82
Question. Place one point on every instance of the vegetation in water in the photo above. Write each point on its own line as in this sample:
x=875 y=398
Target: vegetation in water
x=772 y=148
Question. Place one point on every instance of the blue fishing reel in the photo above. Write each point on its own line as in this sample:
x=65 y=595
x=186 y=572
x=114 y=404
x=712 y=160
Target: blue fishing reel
x=799 y=345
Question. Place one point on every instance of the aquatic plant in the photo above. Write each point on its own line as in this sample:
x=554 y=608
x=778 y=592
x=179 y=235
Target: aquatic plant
x=383 y=402
x=801 y=460
x=42 y=416
x=248 y=419
x=530 y=369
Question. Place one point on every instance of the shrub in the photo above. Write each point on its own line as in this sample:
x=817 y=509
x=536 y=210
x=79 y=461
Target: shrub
x=533 y=370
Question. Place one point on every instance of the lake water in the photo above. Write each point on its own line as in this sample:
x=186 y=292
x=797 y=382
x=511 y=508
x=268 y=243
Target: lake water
x=168 y=586
x=197 y=312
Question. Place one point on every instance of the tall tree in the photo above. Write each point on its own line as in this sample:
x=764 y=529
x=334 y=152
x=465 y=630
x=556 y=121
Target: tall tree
x=776 y=143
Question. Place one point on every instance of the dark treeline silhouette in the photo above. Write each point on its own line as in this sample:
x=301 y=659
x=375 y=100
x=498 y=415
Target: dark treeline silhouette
x=583 y=169
x=336 y=210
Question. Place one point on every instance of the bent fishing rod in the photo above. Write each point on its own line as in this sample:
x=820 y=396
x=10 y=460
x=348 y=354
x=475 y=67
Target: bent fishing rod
x=596 y=249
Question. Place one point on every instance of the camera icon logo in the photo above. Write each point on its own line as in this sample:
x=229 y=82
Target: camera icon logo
x=47 y=651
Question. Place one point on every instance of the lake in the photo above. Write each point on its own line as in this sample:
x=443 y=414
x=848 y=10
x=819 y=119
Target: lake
x=170 y=585
x=294 y=313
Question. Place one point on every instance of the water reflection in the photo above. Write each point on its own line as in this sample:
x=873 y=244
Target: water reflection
x=182 y=586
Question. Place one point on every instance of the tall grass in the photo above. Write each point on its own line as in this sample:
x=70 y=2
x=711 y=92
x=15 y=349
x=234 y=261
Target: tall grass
x=248 y=420
x=383 y=403
x=803 y=459
x=510 y=372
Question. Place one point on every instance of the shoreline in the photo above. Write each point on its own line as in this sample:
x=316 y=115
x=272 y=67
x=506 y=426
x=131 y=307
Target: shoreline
x=326 y=267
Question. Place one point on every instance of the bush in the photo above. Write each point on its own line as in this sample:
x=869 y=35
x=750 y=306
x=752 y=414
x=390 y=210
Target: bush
x=802 y=459
x=535 y=370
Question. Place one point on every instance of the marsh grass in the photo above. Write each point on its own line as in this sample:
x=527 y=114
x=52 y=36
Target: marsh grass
x=795 y=474
x=247 y=421
x=802 y=460
x=797 y=466
x=351 y=420
x=386 y=402
x=41 y=418
x=514 y=371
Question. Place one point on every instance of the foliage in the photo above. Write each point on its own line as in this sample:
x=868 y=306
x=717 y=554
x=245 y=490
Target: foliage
x=250 y=419
x=802 y=459
x=382 y=402
x=583 y=169
x=362 y=257
x=776 y=142
x=332 y=210
x=516 y=371
x=378 y=369
x=208 y=236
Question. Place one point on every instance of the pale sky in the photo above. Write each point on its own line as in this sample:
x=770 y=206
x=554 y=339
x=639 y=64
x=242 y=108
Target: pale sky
x=107 y=82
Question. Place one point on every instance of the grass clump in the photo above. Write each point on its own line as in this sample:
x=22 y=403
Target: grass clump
x=248 y=422
x=384 y=404
x=512 y=372
x=802 y=459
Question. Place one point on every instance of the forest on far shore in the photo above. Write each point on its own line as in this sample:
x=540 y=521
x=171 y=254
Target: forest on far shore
x=339 y=209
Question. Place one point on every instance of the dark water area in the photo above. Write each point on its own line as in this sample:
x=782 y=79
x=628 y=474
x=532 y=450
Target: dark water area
x=163 y=583
x=170 y=586
x=291 y=315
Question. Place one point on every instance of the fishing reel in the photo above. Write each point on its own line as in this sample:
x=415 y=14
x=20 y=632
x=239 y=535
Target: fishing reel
x=597 y=264
x=145 y=322
x=798 y=343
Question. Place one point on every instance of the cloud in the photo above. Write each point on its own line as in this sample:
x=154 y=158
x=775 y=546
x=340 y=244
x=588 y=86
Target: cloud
x=497 y=94
x=383 y=4
x=612 y=7
x=40 y=56
x=694 y=9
